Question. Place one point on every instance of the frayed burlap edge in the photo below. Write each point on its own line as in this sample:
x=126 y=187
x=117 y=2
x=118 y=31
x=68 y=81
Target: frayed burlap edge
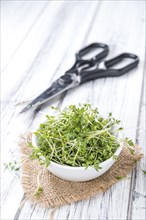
x=55 y=191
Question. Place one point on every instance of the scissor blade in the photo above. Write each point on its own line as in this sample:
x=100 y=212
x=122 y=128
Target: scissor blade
x=62 y=84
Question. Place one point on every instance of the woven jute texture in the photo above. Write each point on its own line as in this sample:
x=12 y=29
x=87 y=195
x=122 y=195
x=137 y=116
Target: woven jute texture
x=56 y=192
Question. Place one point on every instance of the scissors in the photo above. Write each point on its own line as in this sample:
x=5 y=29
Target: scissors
x=84 y=70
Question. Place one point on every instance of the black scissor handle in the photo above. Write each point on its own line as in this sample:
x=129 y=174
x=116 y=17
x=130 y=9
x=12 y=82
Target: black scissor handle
x=81 y=63
x=88 y=75
x=92 y=47
x=134 y=62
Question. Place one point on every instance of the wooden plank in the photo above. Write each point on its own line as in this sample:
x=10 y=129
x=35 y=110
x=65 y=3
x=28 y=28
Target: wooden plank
x=14 y=28
x=137 y=209
x=28 y=53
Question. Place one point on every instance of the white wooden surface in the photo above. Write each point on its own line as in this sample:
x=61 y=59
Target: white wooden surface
x=38 y=43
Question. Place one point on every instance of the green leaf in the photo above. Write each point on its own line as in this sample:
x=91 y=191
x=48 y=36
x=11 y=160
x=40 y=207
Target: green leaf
x=144 y=171
x=120 y=177
x=53 y=107
x=38 y=192
x=115 y=157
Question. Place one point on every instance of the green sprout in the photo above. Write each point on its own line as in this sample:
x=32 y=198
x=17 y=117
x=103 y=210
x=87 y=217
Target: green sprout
x=77 y=136
x=115 y=157
x=39 y=189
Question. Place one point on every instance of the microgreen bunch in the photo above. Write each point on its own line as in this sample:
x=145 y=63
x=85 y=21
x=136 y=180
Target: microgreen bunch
x=77 y=136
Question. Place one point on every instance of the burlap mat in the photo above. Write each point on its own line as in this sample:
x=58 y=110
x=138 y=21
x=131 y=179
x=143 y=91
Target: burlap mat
x=56 y=192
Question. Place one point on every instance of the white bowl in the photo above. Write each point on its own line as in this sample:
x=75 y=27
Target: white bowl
x=79 y=174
